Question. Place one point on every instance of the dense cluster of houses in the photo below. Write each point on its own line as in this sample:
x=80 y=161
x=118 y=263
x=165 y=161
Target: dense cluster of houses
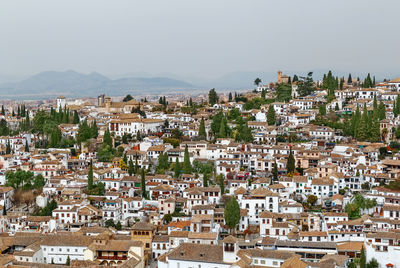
x=181 y=222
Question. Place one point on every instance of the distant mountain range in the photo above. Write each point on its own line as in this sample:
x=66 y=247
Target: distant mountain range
x=50 y=84
x=73 y=84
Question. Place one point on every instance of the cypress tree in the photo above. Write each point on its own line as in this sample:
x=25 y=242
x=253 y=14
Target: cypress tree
x=107 y=140
x=8 y=147
x=271 y=115
x=221 y=182
x=27 y=121
x=136 y=165
x=187 y=167
x=230 y=97
x=202 y=129
x=131 y=168
x=143 y=184
x=362 y=133
x=246 y=134
x=26 y=146
x=349 y=79
x=363 y=258
x=68 y=261
x=397 y=107
x=291 y=165
x=94 y=131
x=375 y=130
x=381 y=111
x=222 y=129
x=3 y=112
x=263 y=94
x=212 y=97
x=90 y=177
x=177 y=169
x=76 y=118
x=275 y=172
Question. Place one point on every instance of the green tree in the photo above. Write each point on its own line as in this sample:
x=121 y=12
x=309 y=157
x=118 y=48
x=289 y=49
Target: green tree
x=212 y=97
x=94 y=130
x=107 y=140
x=373 y=263
x=352 y=210
x=177 y=168
x=275 y=172
x=257 y=81
x=127 y=98
x=131 y=168
x=271 y=117
x=362 y=132
x=312 y=199
x=55 y=138
x=2 y=110
x=363 y=258
x=202 y=129
x=322 y=110
x=90 y=176
x=48 y=209
x=187 y=166
x=68 y=263
x=109 y=223
x=349 y=79
x=205 y=179
x=381 y=111
x=76 y=118
x=306 y=85
x=163 y=163
x=8 y=147
x=352 y=264
x=230 y=97
x=232 y=213
x=143 y=184
x=246 y=134
x=291 y=165
x=222 y=129
x=105 y=154
x=263 y=94
x=283 y=92
x=84 y=132
x=221 y=182
x=4 y=129
x=118 y=226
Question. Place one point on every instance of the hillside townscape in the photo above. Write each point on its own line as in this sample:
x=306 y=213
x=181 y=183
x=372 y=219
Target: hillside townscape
x=303 y=171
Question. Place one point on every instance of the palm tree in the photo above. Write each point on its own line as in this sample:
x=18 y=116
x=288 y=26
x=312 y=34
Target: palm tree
x=257 y=81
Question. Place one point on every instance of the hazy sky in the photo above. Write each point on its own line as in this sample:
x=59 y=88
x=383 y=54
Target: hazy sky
x=205 y=38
